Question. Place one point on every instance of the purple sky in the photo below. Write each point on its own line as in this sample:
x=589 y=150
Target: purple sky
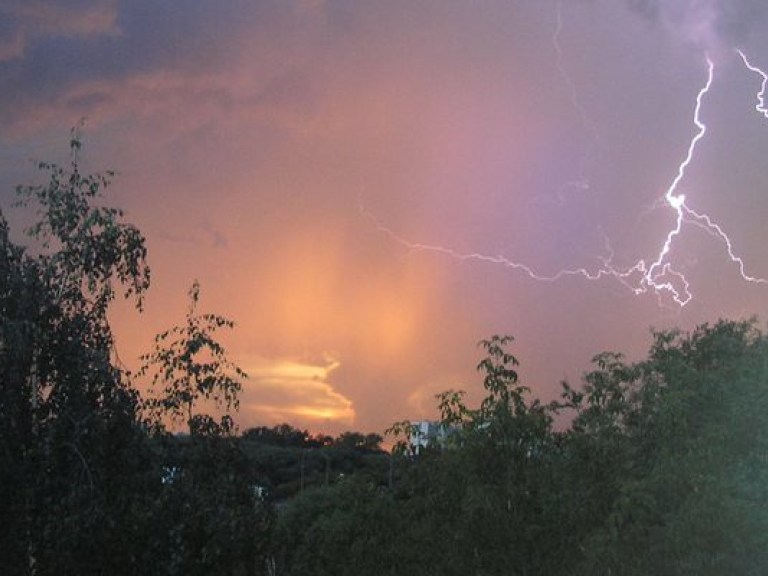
x=351 y=181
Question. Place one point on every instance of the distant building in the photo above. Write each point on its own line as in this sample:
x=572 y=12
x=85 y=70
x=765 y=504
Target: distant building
x=426 y=433
x=259 y=492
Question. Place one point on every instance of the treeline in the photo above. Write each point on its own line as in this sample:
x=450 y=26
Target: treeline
x=663 y=469
x=653 y=467
x=286 y=461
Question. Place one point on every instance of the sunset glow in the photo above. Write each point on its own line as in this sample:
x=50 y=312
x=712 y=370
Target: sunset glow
x=329 y=171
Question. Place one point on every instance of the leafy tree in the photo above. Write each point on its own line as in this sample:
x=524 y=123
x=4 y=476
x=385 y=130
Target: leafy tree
x=402 y=432
x=686 y=435
x=210 y=516
x=348 y=528
x=69 y=429
x=359 y=441
x=81 y=479
x=280 y=435
x=85 y=246
x=189 y=365
x=504 y=453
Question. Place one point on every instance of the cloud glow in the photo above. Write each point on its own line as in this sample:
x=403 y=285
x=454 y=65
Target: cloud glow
x=289 y=390
x=393 y=181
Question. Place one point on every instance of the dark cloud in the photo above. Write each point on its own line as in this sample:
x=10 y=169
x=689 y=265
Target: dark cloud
x=724 y=20
x=738 y=17
x=648 y=8
x=12 y=39
x=24 y=23
x=61 y=57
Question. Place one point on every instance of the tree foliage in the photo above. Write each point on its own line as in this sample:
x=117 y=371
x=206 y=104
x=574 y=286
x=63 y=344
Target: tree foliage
x=189 y=365
x=661 y=469
x=86 y=247
x=81 y=488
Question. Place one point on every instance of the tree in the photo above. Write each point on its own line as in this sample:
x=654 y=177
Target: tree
x=68 y=419
x=359 y=441
x=281 y=435
x=209 y=516
x=684 y=436
x=81 y=479
x=189 y=365
x=348 y=528
x=505 y=448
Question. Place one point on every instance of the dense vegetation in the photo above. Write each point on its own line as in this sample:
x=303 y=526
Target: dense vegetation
x=653 y=467
x=663 y=469
x=84 y=460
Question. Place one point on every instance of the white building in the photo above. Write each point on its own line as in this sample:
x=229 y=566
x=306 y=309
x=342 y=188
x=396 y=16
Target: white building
x=425 y=433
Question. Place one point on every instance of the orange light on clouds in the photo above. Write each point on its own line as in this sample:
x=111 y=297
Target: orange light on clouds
x=248 y=136
x=304 y=282
x=283 y=390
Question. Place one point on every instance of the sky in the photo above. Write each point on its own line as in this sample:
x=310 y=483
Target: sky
x=370 y=188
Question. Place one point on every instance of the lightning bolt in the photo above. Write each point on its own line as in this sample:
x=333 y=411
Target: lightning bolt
x=655 y=276
x=582 y=181
x=475 y=256
x=760 y=106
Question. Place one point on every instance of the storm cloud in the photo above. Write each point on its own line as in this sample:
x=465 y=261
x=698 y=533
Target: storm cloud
x=705 y=21
x=249 y=136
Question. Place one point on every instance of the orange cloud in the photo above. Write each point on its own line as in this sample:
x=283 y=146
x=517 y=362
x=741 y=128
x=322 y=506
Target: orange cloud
x=283 y=390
